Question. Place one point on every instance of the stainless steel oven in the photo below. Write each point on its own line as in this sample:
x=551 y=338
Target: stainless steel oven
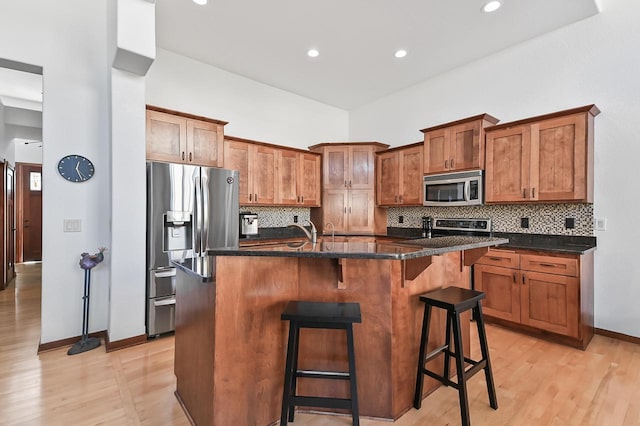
x=454 y=189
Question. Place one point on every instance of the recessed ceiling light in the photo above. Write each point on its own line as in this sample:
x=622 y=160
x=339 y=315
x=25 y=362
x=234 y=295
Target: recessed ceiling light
x=313 y=53
x=400 y=53
x=491 y=6
x=200 y=2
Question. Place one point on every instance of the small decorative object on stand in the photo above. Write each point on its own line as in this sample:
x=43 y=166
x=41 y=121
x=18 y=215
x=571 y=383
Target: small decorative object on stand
x=87 y=262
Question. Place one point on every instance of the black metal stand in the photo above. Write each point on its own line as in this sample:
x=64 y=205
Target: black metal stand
x=86 y=343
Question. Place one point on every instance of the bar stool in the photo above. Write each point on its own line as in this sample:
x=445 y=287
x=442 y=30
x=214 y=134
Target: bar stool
x=454 y=300
x=318 y=315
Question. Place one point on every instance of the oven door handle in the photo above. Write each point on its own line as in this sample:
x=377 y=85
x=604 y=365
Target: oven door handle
x=165 y=302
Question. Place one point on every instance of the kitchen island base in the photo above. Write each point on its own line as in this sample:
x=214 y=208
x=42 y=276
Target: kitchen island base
x=231 y=342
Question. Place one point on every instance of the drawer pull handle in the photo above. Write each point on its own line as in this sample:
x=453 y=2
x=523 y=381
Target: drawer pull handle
x=514 y=277
x=496 y=258
x=523 y=280
x=524 y=193
x=548 y=265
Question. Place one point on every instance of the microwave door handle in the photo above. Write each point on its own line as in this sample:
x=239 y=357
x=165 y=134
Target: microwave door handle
x=467 y=191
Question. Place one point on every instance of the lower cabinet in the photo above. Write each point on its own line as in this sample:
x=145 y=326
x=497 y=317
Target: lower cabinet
x=547 y=294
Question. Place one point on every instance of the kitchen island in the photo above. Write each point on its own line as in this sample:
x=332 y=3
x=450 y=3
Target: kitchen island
x=230 y=342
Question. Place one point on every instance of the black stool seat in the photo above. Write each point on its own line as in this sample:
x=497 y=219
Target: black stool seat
x=329 y=315
x=454 y=300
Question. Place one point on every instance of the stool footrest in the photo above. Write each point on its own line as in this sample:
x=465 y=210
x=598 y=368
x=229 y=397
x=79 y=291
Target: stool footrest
x=330 y=375
x=434 y=353
x=319 y=402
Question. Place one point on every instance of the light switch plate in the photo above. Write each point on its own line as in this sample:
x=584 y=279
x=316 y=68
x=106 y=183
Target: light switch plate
x=72 y=225
x=600 y=223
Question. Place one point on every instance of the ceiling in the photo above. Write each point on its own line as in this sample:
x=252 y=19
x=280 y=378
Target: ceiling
x=267 y=41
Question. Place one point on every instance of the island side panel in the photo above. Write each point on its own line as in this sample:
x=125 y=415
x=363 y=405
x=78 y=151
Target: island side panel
x=407 y=315
x=367 y=282
x=194 y=345
x=251 y=339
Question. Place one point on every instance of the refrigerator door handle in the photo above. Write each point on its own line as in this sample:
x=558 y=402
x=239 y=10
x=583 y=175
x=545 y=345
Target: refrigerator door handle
x=197 y=225
x=165 y=302
x=169 y=272
x=205 y=212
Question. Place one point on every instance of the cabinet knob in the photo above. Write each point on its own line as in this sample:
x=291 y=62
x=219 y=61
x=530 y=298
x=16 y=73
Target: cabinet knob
x=345 y=184
x=190 y=157
x=524 y=192
x=250 y=195
x=302 y=198
x=182 y=155
x=349 y=184
x=533 y=193
x=514 y=277
x=256 y=198
x=446 y=163
x=451 y=163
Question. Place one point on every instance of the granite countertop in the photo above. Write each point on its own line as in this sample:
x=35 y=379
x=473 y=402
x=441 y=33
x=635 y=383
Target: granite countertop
x=326 y=248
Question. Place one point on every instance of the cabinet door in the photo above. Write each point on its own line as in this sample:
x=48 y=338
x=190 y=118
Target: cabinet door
x=550 y=302
x=236 y=157
x=336 y=164
x=502 y=289
x=388 y=188
x=204 y=143
x=361 y=168
x=166 y=137
x=411 y=176
x=559 y=161
x=334 y=207
x=287 y=177
x=466 y=151
x=309 y=179
x=360 y=211
x=508 y=165
x=436 y=151
x=264 y=175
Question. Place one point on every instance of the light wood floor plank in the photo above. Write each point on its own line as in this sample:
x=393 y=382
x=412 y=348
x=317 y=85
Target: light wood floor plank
x=537 y=382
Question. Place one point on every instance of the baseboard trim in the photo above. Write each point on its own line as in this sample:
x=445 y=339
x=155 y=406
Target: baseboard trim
x=184 y=408
x=57 y=344
x=124 y=343
x=619 y=336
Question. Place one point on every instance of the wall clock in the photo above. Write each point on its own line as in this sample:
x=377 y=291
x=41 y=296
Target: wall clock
x=75 y=168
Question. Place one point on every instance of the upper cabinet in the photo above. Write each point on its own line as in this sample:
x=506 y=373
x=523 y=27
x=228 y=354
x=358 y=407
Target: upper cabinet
x=458 y=145
x=541 y=159
x=183 y=138
x=272 y=175
x=399 y=176
x=348 y=166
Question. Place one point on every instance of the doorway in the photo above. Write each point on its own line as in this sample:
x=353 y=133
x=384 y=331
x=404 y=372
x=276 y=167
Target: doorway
x=29 y=212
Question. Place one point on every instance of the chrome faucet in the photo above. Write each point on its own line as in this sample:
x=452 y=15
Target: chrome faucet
x=333 y=230
x=313 y=235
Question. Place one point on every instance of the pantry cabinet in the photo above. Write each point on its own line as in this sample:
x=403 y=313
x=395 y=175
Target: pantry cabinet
x=539 y=292
x=348 y=189
x=458 y=145
x=177 y=137
x=541 y=159
x=399 y=176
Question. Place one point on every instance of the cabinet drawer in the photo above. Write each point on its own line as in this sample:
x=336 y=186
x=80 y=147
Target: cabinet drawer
x=506 y=259
x=550 y=264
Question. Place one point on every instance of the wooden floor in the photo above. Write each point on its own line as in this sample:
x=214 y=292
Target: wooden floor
x=538 y=383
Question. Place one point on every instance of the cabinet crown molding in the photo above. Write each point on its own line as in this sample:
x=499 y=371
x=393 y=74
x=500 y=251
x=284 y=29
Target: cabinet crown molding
x=486 y=117
x=590 y=109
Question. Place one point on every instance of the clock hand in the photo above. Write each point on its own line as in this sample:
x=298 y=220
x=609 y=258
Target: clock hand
x=78 y=171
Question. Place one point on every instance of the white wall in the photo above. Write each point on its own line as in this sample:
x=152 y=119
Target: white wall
x=254 y=110
x=27 y=153
x=68 y=39
x=593 y=61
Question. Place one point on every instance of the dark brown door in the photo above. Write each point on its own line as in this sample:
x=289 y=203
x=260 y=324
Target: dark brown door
x=29 y=212
x=10 y=222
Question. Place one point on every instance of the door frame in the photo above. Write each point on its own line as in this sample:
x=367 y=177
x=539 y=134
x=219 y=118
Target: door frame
x=19 y=210
x=9 y=223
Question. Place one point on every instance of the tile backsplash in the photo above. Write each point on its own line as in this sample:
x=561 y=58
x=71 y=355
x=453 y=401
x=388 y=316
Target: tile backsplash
x=277 y=217
x=543 y=218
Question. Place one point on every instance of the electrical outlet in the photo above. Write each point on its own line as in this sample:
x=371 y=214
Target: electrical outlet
x=569 y=223
x=524 y=222
x=400 y=219
x=295 y=218
x=72 y=225
x=600 y=223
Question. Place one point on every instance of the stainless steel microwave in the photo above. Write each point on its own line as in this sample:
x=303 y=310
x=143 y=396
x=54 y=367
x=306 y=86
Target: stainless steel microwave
x=454 y=189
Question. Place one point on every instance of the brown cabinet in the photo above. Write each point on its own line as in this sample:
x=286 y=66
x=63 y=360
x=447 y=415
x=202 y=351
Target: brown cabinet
x=399 y=176
x=542 y=159
x=183 y=138
x=298 y=178
x=454 y=146
x=257 y=167
x=540 y=292
x=348 y=193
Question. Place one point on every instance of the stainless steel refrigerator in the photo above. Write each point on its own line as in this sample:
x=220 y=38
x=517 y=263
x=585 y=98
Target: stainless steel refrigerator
x=190 y=209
